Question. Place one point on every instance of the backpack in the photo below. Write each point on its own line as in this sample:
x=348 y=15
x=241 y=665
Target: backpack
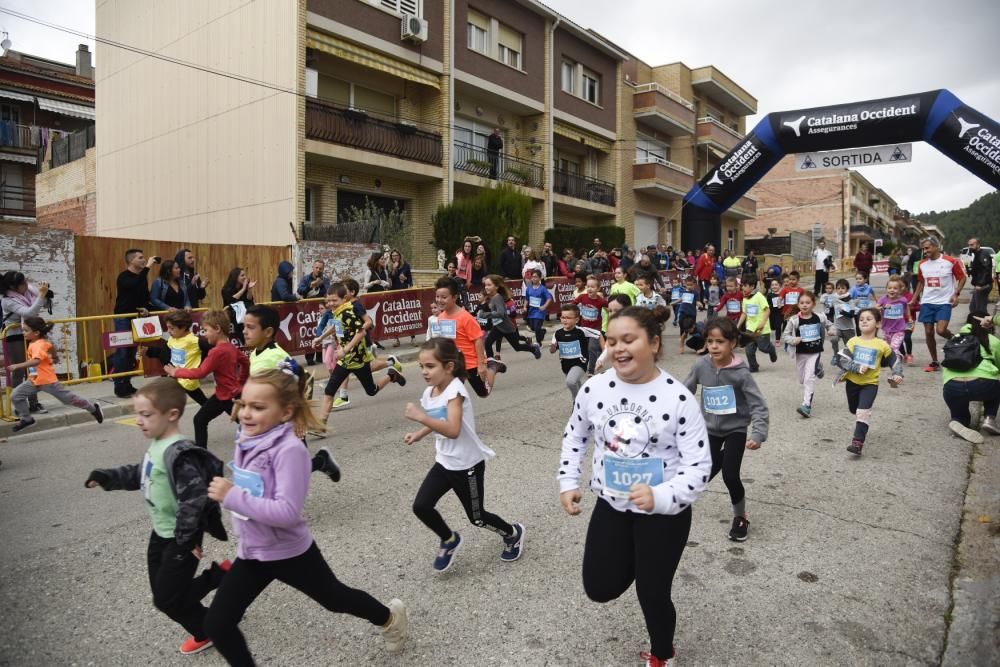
x=961 y=353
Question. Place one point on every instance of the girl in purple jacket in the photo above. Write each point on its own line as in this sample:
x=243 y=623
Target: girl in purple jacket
x=270 y=482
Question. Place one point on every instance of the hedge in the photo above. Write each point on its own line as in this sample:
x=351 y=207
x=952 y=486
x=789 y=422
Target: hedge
x=578 y=238
x=493 y=215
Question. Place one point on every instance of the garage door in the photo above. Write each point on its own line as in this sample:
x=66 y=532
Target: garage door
x=646 y=232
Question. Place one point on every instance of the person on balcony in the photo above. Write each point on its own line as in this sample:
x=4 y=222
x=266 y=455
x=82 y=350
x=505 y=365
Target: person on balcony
x=494 y=144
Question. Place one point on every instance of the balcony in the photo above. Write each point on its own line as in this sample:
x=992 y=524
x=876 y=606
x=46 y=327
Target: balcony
x=582 y=187
x=502 y=167
x=713 y=83
x=711 y=131
x=17 y=201
x=371 y=132
x=15 y=136
x=661 y=178
x=866 y=231
x=663 y=110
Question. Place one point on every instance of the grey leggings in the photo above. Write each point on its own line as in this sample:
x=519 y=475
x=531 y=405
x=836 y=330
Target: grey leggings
x=575 y=378
x=24 y=392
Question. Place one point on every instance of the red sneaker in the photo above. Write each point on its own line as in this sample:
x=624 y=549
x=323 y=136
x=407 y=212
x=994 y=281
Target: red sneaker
x=226 y=565
x=653 y=661
x=192 y=646
x=932 y=367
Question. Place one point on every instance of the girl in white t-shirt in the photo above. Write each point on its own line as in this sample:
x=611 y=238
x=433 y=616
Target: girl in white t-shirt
x=460 y=462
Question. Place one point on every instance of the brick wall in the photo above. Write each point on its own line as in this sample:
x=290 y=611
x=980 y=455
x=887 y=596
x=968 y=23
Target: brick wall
x=45 y=255
x=343 y=260
x=66 y=197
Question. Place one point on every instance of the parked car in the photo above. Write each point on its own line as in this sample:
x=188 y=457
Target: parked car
x=966 y=255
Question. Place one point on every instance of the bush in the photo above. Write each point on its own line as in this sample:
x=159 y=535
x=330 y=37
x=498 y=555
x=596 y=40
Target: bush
x=611 y=236
x=493 y=215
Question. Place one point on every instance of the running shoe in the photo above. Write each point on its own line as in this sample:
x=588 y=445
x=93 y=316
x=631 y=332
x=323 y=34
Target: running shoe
x=38 y=408
x=820 y=372
x=773 y=354
x=398 y=629
x=990 y=426
x=513 y=545
x=932 y=367
x=98 y=413
x=856 y=446
x=536 y=350
x=805 y=410
x=446 y=553
x=496 y=365
x=327 y=464
x=341 y=402
x=397 y=377
x=652 y=661
x=192 y=646
x=909 y=359
x=738 y=533
x=393 y=362
x=964 y=432
x=23 y=424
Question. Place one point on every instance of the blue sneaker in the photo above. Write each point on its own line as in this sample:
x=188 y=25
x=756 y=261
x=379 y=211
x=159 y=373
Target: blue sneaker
x=513 y=545
x=446 y=555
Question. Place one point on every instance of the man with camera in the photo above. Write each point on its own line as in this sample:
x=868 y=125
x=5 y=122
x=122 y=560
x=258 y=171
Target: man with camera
x=132 y=297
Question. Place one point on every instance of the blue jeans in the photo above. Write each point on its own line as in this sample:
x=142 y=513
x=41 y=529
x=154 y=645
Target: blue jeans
x=123 y=358
x=958 y=395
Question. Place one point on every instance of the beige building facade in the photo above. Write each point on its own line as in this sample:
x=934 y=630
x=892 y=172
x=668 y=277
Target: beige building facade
x=333 y=104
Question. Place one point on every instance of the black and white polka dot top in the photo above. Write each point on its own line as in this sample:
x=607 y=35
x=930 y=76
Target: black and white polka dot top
x=651 y=433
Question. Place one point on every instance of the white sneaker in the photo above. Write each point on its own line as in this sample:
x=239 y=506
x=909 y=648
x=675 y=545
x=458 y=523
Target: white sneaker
x=966 y=433
x=398 y=630
x=990 y=426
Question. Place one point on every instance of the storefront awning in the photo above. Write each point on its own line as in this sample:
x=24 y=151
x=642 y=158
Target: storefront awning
x=66 y=108
x=17 y=157
x=367 y=58
x=20 y=97
x=581 y=135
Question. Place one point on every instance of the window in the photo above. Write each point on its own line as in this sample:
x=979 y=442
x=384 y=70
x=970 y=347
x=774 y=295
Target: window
x=310 y=200
x=468 y=131
x=591 y=88
x=10 y=112
x=354 y=96
x=731 y=240
x=569 y=77
x=648 y=150
x=410 y=7
x=479 y=32
x=508 y=46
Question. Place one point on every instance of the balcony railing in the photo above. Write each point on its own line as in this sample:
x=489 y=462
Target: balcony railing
x=868 y=230
x=13 y=135
x=17 y=200
x=371 y=132
x=582 y=187
x=710 y=129
x=498 y=166
x=655 y=87
x=656 y=170
x=663 y=109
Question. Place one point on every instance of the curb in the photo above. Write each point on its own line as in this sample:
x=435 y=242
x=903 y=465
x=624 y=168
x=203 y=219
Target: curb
x=115 y=407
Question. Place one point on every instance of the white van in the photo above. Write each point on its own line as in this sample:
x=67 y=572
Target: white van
x=966 y=256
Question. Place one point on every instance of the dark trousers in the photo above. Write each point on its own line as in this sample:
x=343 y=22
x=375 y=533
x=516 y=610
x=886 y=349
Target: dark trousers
x=339 y=374
x=958 y=395
x=210 y=409
x=308 y=573
x=469 y=486
x=123 y=358
x=761 y=342
x=623 y=547
x=176 y=591
x=727 y=456
x=860 y=397
x=535 y=324
x=822 y=278
x=197 y=394
x=980 y=300
x=515 y=341
x=493 y=157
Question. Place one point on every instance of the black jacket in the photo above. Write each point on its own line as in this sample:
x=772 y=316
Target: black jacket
x=981 y=268
x=494 y=144
x=189 y=469
x=510 y=264
x=196 y=293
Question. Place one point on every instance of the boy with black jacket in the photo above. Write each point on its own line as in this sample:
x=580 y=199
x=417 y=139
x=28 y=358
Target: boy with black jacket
x=173 y=476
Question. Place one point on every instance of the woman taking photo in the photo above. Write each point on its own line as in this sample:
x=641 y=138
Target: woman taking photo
x=168 y=291
x=401 y=277
x=238 y=289
x=20 y=300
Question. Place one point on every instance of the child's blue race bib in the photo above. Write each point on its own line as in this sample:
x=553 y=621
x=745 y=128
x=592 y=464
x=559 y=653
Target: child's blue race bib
x=776 y=302
x=338 y=328
x=534 y=301
x=753 y=310
x=177 y=357
x=687 y=297
x=719 y=400
x=893 y=311
x=675 y=294
x=588 y=312
x=438 y=413
x=864 y=303
x=792 y=299
x=447 y=329
x=809 y=333
x=620 y=474
x=866 y=356
x=732 y=306
x=570 y=350
x=248 y=480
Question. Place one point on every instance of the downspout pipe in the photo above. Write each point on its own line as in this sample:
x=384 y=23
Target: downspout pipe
x=550 y=177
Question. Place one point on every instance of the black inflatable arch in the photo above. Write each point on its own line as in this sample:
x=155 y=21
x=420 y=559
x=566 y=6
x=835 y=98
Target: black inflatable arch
x=938 y=117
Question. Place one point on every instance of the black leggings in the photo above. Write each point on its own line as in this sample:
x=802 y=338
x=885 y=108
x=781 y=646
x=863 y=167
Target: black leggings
x=468 y=485
x=197 y=394
x=861 y=397
x=176 y=591
x=210 y=409
x=727 y=456
x=477 y=383
x=515 y=341
x=339 y=374
x=308 y=573
x=535 y=324
x=623 y=547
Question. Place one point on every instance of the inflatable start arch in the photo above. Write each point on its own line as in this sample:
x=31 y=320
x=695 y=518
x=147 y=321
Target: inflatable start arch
x=965 y=135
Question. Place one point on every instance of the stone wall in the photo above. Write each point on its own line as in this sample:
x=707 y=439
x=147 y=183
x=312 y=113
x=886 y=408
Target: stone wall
x=343 y=260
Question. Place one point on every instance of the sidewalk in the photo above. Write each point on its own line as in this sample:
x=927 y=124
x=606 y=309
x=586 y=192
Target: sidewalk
x=102 y=392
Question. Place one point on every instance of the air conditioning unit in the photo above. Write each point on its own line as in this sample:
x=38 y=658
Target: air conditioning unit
x=413 y=29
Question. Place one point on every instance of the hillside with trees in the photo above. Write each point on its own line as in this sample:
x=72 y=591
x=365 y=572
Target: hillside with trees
x=980 y=219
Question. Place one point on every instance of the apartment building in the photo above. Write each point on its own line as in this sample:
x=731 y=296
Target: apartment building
x=392 y=103
x=46 y=108
x=840 y=205
x=681 y=123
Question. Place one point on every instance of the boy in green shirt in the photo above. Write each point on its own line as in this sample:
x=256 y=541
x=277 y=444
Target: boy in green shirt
x=756 y=319
x=173 y=477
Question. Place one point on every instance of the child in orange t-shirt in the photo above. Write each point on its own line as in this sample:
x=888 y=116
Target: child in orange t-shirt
x=42 y=376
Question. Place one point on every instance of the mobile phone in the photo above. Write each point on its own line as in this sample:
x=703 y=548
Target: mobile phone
x=156 y=259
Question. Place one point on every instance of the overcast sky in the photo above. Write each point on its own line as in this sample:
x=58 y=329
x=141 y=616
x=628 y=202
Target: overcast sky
x=789 y=54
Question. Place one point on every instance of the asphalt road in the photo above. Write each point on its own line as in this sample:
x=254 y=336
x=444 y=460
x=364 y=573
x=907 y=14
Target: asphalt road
x=848 y=560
